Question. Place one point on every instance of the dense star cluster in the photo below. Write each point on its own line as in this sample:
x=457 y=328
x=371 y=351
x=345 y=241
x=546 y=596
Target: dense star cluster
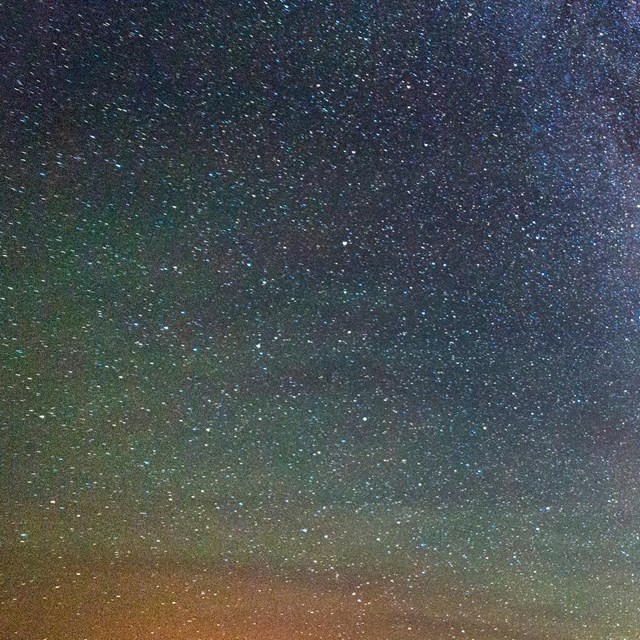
x=320 y=320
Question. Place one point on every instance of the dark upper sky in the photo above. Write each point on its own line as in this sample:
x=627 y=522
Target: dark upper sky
x=341 y=291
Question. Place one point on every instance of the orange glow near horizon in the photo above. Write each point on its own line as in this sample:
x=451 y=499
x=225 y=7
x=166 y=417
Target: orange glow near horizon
x=103 y=601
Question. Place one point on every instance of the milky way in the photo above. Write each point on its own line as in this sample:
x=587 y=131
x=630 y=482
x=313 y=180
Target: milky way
x=320 y=320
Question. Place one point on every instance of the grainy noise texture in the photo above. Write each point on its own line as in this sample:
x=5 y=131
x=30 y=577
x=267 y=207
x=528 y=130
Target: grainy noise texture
x=320 y=320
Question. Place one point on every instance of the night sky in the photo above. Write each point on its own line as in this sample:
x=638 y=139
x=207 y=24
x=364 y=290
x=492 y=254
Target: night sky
x=320 y=320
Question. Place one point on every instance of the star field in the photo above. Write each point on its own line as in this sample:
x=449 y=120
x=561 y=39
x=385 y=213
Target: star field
x=320 y=320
